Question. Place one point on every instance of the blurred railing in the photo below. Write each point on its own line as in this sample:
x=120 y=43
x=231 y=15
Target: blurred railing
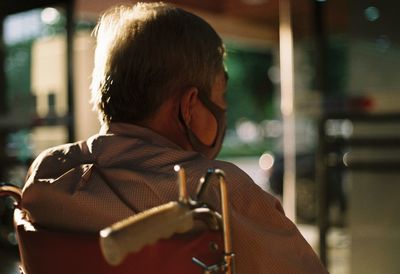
x=353 y=142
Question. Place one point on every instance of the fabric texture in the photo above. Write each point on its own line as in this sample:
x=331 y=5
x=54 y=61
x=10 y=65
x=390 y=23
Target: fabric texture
x=125 y=169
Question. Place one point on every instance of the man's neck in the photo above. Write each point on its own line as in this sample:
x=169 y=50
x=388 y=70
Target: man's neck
x=166 y=123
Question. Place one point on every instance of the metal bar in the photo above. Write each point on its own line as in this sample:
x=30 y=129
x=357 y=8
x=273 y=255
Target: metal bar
x=287 y=97
x=70 y=65
x=3 y=104
x=322 y=189
x=379 y=142
x=12 y=191
x=229 y=256
x=367 y=117
x=183 y=194
x=375 y=167
x=322 y=86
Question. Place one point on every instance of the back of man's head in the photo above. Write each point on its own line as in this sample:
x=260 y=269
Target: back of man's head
x=147 y=54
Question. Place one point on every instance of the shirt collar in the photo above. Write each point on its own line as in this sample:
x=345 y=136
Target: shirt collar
x=139 y=132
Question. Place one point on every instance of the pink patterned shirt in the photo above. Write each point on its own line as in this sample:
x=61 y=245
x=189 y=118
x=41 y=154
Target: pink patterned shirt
x=66 y=188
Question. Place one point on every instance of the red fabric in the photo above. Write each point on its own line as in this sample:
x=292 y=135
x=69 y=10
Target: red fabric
x=44 y=251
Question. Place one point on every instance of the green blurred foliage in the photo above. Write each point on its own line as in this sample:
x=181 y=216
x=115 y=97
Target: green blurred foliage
x=250 y=91
x=250 y=96
x=18 y=73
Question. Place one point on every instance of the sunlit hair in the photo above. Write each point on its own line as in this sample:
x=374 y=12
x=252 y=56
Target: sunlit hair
x=148 y=53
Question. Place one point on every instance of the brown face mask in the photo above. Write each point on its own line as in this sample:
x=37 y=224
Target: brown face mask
x=220 y=116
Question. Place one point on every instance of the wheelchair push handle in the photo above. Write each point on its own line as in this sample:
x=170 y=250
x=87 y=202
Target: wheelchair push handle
x=147 y=227
x=135 y=232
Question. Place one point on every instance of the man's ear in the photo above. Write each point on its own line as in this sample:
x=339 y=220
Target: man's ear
x=188 y=101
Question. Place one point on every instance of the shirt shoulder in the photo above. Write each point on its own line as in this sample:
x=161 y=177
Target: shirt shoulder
x=242 y=189
x=55 y=161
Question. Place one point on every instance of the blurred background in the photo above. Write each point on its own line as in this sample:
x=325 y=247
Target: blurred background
x=341 y=169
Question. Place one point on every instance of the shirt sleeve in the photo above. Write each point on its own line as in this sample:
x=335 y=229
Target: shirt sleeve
x=263 y=238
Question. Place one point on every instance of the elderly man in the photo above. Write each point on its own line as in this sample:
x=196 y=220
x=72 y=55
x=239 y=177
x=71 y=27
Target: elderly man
x=159 y=88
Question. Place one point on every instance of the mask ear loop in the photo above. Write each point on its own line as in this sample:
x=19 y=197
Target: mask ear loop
x=210 y=151
x=181 y=119
x=211 y=107
x=215 y=110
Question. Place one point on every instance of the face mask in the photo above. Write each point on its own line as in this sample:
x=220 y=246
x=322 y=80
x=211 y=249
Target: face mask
x=209 y=151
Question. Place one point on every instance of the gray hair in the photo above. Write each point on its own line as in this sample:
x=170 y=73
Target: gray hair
x=147 y=54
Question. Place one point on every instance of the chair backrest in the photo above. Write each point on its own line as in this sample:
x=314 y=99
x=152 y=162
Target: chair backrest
x=44 y=251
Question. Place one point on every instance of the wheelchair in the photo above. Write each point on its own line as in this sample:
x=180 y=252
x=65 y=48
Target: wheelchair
x=163 y=239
